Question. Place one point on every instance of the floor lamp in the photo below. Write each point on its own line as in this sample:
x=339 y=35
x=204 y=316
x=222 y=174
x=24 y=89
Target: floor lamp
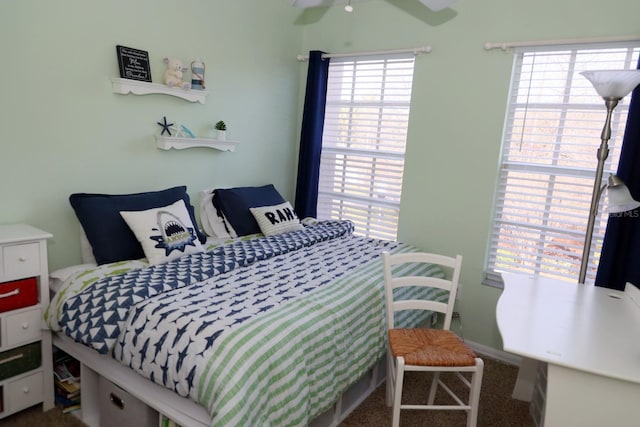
x=612 y=86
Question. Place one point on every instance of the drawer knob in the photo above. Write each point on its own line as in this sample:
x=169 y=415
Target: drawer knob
x=26 y=390
x=25 y=326
x=22 y=259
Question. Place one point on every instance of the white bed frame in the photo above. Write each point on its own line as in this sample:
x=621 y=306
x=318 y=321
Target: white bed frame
x=183 y=411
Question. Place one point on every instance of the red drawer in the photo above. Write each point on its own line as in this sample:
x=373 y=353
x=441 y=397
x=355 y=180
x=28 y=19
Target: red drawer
x=18 y=294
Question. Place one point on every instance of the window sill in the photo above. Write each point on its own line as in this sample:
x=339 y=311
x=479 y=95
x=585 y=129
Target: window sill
x=493 y=279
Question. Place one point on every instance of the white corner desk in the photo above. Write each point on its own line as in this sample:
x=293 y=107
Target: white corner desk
x=588 y=336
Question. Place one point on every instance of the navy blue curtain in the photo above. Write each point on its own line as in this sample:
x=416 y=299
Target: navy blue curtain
x=311 y=136
x=620 y=258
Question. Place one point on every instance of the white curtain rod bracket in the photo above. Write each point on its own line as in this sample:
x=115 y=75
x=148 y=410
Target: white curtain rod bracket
x=416 y=51
x=490 y=46
x=505 y=46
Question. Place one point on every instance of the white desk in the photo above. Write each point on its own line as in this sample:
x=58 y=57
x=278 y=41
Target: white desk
x=589 y=337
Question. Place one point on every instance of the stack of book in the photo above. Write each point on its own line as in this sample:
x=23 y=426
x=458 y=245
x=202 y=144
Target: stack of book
x=66 y=372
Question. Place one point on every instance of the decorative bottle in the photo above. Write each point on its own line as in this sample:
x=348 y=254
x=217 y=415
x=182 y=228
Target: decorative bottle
x=197 y=74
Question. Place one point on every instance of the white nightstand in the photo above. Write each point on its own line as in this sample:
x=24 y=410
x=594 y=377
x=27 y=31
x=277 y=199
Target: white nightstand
x=23 y=256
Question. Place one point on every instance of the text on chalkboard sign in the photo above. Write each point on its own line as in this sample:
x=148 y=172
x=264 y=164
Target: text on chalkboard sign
x=133 y=63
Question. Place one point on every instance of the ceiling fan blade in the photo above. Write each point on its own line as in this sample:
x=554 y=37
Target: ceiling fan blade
x=434 y=5
x=437 y=5
x=307 y=3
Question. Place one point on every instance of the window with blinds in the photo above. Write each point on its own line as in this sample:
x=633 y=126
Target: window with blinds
x=363 y=143
x=548 y=161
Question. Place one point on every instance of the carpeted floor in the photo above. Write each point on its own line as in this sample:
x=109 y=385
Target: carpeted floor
x=497 y=409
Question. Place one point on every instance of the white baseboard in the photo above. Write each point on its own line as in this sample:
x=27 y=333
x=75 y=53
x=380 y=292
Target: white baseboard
x=500 y=355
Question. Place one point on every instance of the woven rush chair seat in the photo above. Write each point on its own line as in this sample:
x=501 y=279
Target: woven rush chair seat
x=430 y=347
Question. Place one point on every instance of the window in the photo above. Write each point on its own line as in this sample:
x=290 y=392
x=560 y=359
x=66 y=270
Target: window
x=548 y=160
x=363 y=145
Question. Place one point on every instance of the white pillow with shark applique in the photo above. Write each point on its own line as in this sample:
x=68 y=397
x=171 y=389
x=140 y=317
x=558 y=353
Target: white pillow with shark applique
x=165 y=233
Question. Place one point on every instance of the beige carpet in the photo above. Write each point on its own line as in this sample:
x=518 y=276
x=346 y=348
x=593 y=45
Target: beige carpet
x=497 y=409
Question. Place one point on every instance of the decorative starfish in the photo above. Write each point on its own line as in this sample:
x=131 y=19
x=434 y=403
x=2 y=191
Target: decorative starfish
x=166 y=127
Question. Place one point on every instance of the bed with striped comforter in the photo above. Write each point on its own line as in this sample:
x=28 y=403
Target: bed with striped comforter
x=263 y=332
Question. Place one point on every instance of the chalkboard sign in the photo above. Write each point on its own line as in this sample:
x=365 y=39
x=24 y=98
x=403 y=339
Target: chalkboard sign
x=134 y=64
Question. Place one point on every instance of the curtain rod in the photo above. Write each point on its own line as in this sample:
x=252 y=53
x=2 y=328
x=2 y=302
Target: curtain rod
x=508 y=45
x=415 y=51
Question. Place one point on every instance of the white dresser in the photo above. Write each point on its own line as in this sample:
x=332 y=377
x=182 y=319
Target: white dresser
x=26 y=375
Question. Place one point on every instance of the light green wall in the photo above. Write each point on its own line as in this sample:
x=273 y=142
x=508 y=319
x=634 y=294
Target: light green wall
x=458 y=110
x=63 y=130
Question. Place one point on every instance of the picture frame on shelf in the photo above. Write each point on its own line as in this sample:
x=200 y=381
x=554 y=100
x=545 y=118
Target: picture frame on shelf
x=133 y=63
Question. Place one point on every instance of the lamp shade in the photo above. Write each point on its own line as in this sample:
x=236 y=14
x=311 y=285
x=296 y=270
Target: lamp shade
x=613 y=83
x=620 y=199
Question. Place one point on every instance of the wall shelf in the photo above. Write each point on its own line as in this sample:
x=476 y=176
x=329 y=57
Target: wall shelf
x=126 y=86
x=168 y=142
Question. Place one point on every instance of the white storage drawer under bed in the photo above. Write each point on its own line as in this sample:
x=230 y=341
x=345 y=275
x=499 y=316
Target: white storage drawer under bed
x=121 y=409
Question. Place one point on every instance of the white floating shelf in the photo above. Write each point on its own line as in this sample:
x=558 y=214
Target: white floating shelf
x=168 y=142
x=126 y=86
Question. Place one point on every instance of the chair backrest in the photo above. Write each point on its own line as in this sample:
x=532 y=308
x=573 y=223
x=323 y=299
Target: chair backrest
x=400 y=270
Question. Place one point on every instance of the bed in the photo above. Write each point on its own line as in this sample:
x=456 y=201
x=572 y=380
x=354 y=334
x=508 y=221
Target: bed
x=268 y=328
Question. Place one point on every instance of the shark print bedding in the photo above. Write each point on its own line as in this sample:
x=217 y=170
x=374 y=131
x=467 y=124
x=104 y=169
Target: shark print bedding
x=264 y=332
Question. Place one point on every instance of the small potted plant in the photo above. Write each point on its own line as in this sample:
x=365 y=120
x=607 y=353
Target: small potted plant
x=221 y=129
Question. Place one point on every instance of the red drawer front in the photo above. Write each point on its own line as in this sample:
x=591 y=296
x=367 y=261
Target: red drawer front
x=18 y=294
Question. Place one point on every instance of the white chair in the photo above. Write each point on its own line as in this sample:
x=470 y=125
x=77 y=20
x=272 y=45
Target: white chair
x=427 y=349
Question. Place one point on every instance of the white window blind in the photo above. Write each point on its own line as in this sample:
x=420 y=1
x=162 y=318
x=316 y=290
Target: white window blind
x=548 y=160
x=363 y=144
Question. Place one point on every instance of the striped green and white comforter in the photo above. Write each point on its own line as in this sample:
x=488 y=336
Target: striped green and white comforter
x=288 y=366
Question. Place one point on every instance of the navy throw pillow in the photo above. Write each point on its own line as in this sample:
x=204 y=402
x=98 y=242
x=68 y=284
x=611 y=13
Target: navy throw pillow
x=235 y=203
x=109 y=235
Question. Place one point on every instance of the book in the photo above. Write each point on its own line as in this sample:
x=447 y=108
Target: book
x=66 y=372
x=72 y=408
x=66 y=369
x=68 y=387
x=65 y=401
x=65 y=393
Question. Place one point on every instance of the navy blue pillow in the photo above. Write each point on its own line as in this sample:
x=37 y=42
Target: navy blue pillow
x=110 y=237
x=234 y=203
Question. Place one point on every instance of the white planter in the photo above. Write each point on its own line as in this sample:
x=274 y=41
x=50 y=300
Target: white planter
x=221 y=135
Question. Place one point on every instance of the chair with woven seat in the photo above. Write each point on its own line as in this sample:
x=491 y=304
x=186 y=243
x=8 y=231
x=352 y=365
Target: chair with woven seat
x=427 y=349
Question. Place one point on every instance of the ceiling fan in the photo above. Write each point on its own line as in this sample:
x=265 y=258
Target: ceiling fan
x=434 y=5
